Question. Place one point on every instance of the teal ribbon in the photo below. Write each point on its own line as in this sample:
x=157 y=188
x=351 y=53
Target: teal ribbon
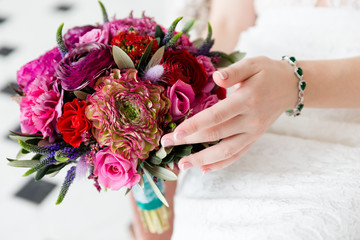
x=145 y=198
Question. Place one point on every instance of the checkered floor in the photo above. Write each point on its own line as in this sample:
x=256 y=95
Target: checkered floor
x=27 y=209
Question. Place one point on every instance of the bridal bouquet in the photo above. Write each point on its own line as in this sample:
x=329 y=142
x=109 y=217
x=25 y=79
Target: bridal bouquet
x=100 y=101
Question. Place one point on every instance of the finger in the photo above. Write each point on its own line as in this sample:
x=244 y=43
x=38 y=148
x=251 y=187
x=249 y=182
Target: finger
x=236 y=73
x=227 y=148
x=218 y=113
x=236 y=125
x=225 y=163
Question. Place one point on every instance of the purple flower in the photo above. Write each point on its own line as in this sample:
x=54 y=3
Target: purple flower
x=72 y=36
x=203 y=102
x=84 y=64
x=182 y=97
x=209 y=69
x=41 y=107
x=43 y=66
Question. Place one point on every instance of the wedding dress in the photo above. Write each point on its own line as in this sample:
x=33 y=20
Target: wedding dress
x=301 y=180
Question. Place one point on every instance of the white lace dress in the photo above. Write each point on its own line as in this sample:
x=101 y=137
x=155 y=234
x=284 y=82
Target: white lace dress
x=301 y=180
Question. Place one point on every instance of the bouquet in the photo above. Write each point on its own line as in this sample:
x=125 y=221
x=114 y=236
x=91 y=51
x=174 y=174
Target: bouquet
x=99 y=102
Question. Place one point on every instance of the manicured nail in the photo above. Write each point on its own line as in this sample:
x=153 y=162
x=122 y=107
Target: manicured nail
x=222 y=74
x=186 y=166
x=167 y=142
x=205 y=171
x=179 y=135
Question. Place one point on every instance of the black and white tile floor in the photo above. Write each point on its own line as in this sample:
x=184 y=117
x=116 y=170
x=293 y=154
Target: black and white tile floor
x=27 y=209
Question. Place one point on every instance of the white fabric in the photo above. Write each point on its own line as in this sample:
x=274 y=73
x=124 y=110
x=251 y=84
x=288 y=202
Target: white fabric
x=301 y=180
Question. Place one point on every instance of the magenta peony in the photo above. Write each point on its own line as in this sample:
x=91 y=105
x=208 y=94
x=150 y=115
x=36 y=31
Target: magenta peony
x=43 y=66
x=127 y=114
x=83 y=64
x=114 y=170
x=181 y=96
x=41 y=108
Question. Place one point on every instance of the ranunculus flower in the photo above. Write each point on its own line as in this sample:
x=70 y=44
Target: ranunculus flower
x=114 y=170
x=72 y=36
x=181 y=65
x=127 y=114
x=41 y=107
x=43 y=66
x=73 y=123
x=181 y=96
x=83 y=64
x=203 y=102
x=95 y=35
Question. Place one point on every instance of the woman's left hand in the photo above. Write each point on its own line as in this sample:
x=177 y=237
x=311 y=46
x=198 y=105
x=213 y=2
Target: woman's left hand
x=265 y=88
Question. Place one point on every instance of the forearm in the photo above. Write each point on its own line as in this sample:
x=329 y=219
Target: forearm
x=332 y=83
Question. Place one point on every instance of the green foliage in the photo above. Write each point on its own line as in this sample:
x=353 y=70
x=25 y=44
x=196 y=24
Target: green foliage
x=228 y=59
x=121 y=59
x=144 y=58
x=104 y=13
x=173 y=40
x=188 y=26
x=60 y=41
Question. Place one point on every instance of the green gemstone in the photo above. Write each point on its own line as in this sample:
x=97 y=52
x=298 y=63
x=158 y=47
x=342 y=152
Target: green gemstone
x=303 y=85
x=297 y=114
x=289 y=111
x=293 y=59
x=300 y=72
x=300 y=107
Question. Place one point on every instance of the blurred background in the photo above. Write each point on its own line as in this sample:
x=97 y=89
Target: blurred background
x=27 y=209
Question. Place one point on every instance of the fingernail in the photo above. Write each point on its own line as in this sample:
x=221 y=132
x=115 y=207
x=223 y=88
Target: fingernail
x=186 y=166
x=179 y=135
x=167 y=142
x=205 y=171
x=222 y=74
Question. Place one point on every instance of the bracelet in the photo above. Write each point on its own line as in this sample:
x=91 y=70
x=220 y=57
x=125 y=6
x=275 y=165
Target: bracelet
x=302 y=85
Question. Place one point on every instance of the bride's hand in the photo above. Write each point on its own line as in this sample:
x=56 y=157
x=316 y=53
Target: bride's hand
x=265 y=88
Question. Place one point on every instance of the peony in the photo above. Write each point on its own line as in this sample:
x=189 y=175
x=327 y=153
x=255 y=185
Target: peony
x=73 y=123
x=127 y=114
x=181 y=97
x=95 y=35
x=43 y=66
x=73 y=35
x=114 y=170
x=83 y=64
x=181 y=65
x=41 y=107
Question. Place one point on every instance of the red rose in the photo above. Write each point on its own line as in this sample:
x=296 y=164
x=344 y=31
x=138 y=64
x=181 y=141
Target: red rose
x=73 y=123
x=181 y=65
x=221 y=93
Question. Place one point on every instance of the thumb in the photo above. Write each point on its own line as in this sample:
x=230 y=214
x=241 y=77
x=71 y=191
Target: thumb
x=235 y=73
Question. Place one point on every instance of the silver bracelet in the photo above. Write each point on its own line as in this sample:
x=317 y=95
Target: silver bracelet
x=302 y=85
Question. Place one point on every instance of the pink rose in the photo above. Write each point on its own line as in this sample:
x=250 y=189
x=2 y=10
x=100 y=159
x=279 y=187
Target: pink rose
x=115 y=171
x=209 y=69
x=203 y=102
x=95 y=35
x=181 y=96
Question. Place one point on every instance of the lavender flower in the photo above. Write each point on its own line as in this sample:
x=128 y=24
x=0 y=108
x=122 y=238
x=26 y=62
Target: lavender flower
x=70 y=176
x=84 y=64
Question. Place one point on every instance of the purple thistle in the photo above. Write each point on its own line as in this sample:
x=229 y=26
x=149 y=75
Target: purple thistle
x=70 y=176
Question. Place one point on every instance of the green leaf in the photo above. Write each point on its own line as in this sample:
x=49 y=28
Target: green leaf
x=31 y=147
x=171 y=165
x=41 y=173
x=173 y=40
x=81 y=95
x=159 y=33
x=227 y=60
x=60 y=156
x=160 y=172
x=145 y=56
x=22 y=163
x=121 y=59
x=23 y=137
x=197 y=43
x=22 y=153
x=156 y=58
x=127 y=191
x=155 y=188
x=163 y=152
x=56 y=168
x=141 y=182
x=104 y=13
x=158 y=40
x=60 y=41
x=237 y=56
x=170 y=33
x=155 y=160
x=188 y=26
